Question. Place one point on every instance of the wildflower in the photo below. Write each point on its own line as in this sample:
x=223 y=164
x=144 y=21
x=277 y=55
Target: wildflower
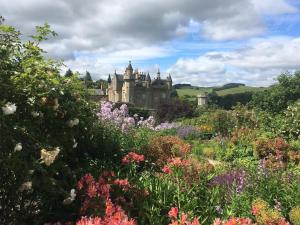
x=166 y=170
x=48 y=157
x=122 y=183
x=35 y=114
x=74 y=122
x=173 y=212
x=71 y=198
x=9 y=108
x=131 y=156
x=26 y=186
x=74 y=143
x=18 y=147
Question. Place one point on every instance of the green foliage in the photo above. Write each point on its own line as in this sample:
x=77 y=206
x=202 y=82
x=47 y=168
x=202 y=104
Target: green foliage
x=43 y=113
x=276 y=98
x=69 y=73
x=88 y=81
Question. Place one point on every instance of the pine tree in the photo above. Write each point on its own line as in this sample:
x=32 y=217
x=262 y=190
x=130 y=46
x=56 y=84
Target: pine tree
x=69 y=73
x=88 y=80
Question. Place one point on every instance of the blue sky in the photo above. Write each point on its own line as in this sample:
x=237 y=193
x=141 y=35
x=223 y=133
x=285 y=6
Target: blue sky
x=203 y=42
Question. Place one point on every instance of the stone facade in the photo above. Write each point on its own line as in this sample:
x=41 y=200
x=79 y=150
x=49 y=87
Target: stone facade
x=202 y=99
x=138 y=89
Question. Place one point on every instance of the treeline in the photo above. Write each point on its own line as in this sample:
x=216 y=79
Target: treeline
x=228 y=86
x=88 y=81
x=274 y=99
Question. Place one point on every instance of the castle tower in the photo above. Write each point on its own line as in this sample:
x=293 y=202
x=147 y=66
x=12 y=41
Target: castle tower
x=169 y=81
x=158 y=74
x=148 y=80
x=128 y=85
x=202 y=99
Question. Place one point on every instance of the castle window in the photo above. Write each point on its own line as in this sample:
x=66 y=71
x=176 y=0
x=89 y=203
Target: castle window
x=163 y=95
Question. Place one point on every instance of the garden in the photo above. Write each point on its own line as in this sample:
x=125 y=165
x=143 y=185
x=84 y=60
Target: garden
x=68 y=160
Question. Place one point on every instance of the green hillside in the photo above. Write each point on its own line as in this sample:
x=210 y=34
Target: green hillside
x=239 y=89
x=190 y=93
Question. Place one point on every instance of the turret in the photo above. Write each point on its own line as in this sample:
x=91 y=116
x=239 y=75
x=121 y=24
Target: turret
x=158 y=74
x=128 y=85
x=109 y=79
x=169 y=81
x=129 y=72
x=202 y=99
x=148 y=80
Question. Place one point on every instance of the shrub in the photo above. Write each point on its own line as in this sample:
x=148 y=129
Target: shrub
x=276 y=98
x=295 y=215
x=173 y=110
x=160 y=149
x=49 y=132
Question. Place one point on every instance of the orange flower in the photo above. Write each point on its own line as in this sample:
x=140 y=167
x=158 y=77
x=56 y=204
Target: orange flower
x=173 y=212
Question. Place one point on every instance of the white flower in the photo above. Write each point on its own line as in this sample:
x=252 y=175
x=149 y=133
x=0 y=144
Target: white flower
x=26 y=186
x=71 y=198
x=73 y=194
x=9 y=108
x=31 y=101
x=75 y=143
x=48 y=157
x=18 y=147
x=74 y=122
x=35 y=114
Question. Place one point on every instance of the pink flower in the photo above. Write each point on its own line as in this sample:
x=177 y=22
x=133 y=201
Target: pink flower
x=166 y=170
x=173 y=212
x=133 y=157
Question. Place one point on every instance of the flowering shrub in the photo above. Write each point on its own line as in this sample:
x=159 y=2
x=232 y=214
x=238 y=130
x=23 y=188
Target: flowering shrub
x=49 y=132
x=121 y=119
x=160 y=149
x=234 y=221
x=133 y=157
x=231 y=182
x=102 y=197
x=265 y=215
x=295 y=215
x=181 y=219
x=113 y=215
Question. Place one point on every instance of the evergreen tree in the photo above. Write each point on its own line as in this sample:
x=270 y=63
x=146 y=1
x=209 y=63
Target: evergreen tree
x=69 y=73
x=88 y=81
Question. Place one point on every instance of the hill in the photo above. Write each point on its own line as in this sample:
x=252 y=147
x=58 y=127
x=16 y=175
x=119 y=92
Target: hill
x=190 y=92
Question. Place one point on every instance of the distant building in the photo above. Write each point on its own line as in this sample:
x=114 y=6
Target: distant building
x=202 y=99
x=138 y=89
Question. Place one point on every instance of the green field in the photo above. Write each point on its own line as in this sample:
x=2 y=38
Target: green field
x=194 y=91
x=239 y=89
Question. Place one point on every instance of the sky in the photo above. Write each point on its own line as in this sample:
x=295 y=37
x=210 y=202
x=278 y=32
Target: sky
x=201 y=42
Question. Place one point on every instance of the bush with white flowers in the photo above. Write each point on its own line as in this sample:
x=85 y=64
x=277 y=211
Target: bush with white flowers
x=49 y=133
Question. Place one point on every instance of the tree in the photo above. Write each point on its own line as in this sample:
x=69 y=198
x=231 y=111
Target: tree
x=276 y=98
x=88 y=81
x=69 y=73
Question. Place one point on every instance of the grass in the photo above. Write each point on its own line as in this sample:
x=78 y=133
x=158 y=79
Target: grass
x=239 y=89
x=193 y=92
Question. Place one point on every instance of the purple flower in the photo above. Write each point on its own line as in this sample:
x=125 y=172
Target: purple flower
x=232 y=180
x=186 y=131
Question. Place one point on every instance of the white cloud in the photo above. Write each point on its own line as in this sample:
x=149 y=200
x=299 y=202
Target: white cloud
x=90 y=25
x=257 y=64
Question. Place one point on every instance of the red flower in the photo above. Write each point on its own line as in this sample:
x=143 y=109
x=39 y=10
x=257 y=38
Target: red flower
x=173 y=212
x=133 y=157
x=166 y=170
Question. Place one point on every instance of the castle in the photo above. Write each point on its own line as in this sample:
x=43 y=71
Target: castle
x=138 y=89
